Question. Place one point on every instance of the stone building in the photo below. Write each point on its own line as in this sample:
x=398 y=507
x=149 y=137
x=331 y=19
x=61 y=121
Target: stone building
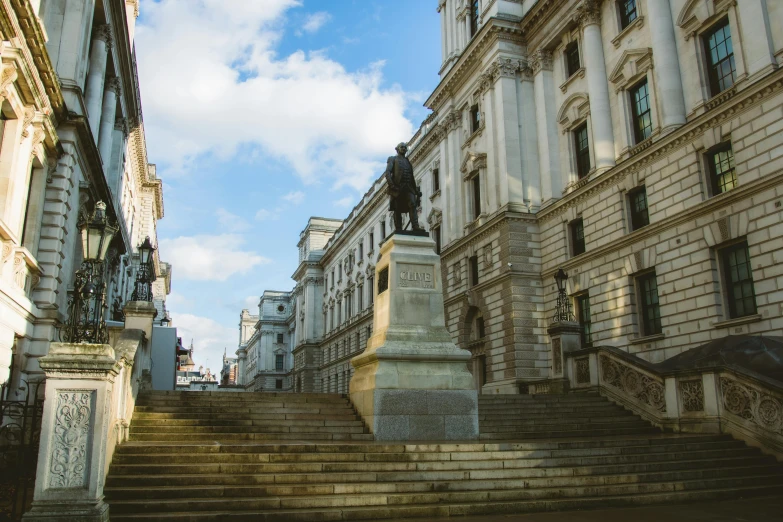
x=634 y=143
x=72 y=135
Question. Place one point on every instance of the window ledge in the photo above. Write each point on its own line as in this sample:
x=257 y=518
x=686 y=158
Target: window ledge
x=646 y=339
x=638 y=22
x=478 y=132
x=580 y=73
x=435 y=195
x=737 y=322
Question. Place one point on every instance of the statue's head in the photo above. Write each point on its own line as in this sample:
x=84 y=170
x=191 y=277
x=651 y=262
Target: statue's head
x=402 y=148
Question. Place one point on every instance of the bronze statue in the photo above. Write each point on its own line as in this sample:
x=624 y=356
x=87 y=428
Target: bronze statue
x=404 y=195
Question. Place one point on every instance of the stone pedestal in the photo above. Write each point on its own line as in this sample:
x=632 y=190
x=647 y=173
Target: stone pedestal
x=74 y=433
x=564 y=337
x=411 y=382
x=139 y=315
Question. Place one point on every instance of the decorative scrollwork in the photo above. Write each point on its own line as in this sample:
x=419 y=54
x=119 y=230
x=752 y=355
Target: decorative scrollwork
x=71 y=435
x=557 y=356
x=583 y=370
x=692 y=395
x=638 y=385
x=756 y=406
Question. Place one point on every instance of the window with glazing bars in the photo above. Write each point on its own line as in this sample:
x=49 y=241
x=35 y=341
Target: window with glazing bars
x=474 y=17
x=583 y=315
x=435 y=180
x=577 y=236
x=582 y=146
x=475 y=118
x=642 y=115
x=721 y=164
x=476 y=183
x=279 y=361
x=628 y=12
x=481 y=333
x=279 y=338
x=572 y=58
x=739 y=280
x=720 y=58
x=648 y=300
x=474 y=271
x=637 y=200
x=436 y=237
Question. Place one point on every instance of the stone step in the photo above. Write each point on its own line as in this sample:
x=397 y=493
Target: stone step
x=551 y=409
x=247 y=409
x=440 y=497
x=356 y=427
x=267 y=490
x=597 y=422
x=155 y=415
x=584 y=433
x=608 y=412
x=569 y=397
x=246 y=422
x=307 y=436
x=249 y=396
x=245 y=404
x=454 y=509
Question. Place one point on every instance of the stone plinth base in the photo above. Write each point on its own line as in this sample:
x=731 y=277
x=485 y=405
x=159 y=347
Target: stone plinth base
x=67 y=512
x=412 y=382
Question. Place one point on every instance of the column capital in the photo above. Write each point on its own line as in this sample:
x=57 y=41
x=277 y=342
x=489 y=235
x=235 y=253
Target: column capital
x=504 y=68
x=589 y=13
x=121 y=124
x=103 y=32
x=135 y=4
x=441 y=5
x=113 y=84
x=541 y=60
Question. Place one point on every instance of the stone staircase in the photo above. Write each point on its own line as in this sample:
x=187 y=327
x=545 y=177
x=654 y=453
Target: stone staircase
x=262 y=456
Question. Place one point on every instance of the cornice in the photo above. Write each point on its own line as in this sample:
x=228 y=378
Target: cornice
x=493 y=30
x=741 y=102
x=507 y=213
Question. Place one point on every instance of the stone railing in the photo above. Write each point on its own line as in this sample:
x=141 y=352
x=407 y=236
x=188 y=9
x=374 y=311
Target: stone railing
x=718 y=399
x=91 y=392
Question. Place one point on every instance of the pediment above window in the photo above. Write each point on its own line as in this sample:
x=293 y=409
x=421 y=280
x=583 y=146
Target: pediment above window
x=435 y=217
x=473 y=161
x=574 y=110
x=631 y=67
x=695 y=13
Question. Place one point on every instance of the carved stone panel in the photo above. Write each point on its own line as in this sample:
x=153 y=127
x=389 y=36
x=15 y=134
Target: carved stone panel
x=70 y=464
x=557 y=357
x=634 y=383
x=692 y=395
x=583 y=370
x=756 y=406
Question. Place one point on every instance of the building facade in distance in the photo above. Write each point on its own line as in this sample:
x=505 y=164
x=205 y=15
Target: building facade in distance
x=634 y=143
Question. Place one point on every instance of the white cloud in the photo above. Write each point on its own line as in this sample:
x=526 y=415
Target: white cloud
x=295 y=198
x=345 y=202
x=210 y=258
x=267 y=215
x=175 y=301
x=315 y=21
x=328 y=124
x=209 y=337
x=230 y=221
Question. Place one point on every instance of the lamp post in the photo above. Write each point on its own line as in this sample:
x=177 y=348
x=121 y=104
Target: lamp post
x=166 y=320
x=563 y=308
x=86 y=302
x=142 y=290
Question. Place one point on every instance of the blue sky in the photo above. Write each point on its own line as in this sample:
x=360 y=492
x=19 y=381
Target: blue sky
x=260 y=114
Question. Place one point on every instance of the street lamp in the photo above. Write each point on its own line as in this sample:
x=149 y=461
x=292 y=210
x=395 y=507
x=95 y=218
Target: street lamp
x=142 y=290
x=86 y=302
x=166 y=320
x=563 y=308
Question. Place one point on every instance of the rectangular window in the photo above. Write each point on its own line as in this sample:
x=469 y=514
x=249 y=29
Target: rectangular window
x=339 y=272
x=436 y=237
x=475 y=181
x=348 y=306
x=435 y=180
x=361 y=250
x=475 y=118
x=647 y=286
x=582 y=146
x=360 y=298
x=474 y=273
x=572 y=58
x=27 y=205
x=279 y=338
x=372 y=241
x=720 y=58
x=628 y=12
x=739 y=280
x=637 y=200
x=371 y=286
x=358 y=341
x=480 y=327
x=383 y=230
x=577 y=229
x=642 y=115
x=278 y=384
x=474 y=17
x=332 y=277
x=583 y=316
x=279 y=361
x=721 y=165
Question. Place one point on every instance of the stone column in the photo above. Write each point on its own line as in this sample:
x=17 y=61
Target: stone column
x=101 y=44
x=74 y=433
x=509 y=158
x=757 y=42
x=443 y=41
x=131 y=13
x=667 y=65
x=411 y=382
x=564 y=337
x=548 y=149
x=108 y=115
x=597 y=85
x=529 y=140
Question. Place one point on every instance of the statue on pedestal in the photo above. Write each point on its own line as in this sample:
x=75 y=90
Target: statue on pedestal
x=404 y=195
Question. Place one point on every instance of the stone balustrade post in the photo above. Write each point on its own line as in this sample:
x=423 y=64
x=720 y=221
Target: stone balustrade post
x=75 y=428
x=139 y=315
x=564 y=337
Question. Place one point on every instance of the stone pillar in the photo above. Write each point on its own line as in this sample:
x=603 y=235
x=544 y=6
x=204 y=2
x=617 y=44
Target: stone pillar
x=546 y=125
x=597 y=85
x=529 y=140
x=667 y=65
x=131 y=13
x=509 y=157
x=411 y=382
x=444 y=52
x=101 y=43
x=139 y=315
x=757 y=42
x=74 y=433
x=108 y=114
x=564 y=337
